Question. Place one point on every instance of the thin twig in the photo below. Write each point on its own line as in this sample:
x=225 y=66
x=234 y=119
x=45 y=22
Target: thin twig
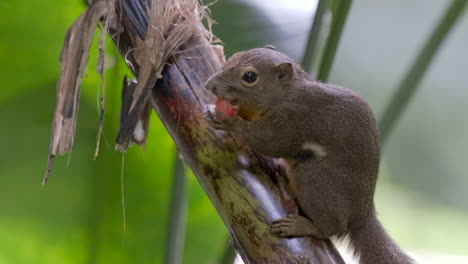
x=122 y=193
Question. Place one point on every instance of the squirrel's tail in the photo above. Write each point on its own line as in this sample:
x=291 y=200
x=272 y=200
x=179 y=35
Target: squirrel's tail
x=373 y=245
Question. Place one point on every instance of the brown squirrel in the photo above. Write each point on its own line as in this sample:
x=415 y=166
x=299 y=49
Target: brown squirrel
x=328 y=138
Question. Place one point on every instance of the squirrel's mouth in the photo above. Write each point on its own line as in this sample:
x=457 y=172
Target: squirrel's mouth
x=234 y=101
x=227 y=106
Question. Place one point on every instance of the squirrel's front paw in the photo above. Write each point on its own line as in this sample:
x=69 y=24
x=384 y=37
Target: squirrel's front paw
x=216 y=119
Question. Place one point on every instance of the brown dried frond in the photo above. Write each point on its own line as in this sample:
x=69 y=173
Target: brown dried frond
x=172 y=24
x=74 y=58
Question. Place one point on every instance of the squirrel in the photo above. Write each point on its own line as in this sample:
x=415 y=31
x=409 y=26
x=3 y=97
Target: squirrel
x=326 y=135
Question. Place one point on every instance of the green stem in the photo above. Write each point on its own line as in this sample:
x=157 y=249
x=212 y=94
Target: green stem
x=229 y=254
x=338 y=22
x=178 y=212
x=312 y=42
x=409 y=84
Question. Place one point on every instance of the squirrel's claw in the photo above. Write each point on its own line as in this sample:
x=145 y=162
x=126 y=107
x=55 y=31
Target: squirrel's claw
x=218 y=120
x=293 y=226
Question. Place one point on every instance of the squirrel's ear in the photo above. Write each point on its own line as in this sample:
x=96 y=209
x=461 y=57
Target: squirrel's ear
x=285 y=70
x=270 y=47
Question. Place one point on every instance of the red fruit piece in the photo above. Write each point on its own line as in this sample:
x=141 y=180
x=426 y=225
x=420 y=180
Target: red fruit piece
x=223 y=106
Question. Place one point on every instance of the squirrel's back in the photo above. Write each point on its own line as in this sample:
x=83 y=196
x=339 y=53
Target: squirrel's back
x=343 y=122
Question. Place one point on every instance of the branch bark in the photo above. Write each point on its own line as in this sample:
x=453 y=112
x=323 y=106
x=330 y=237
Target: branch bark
x=248 y=190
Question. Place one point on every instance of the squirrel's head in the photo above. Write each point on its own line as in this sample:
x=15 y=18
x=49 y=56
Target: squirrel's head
x=257 y=77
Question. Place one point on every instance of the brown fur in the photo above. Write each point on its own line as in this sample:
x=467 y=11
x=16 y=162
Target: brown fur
x=335 y=190
x=290 y=165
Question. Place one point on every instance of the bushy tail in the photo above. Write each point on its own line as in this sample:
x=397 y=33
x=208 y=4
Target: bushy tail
x=373 y=245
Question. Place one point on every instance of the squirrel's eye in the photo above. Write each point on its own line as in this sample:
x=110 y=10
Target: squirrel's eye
x=249 y=77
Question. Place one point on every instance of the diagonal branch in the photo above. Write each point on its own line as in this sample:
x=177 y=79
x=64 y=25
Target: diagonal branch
x=408 y=86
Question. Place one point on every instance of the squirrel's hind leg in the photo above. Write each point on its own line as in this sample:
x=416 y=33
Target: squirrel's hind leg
x=321 y=199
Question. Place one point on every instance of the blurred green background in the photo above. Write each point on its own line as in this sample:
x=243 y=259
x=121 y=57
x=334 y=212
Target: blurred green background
x=77 y=216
